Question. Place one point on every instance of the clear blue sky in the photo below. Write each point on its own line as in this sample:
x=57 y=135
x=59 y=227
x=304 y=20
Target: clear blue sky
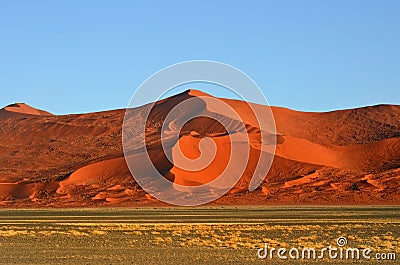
x=83 y=56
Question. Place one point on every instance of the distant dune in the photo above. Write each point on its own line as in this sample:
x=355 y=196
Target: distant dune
x=24 y=109
x=344 y=157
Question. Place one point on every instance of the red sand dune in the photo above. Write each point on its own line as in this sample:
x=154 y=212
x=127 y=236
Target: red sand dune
x=340 y=157
x=25 y=109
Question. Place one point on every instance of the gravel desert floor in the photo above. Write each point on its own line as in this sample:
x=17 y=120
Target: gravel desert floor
x=198 y=235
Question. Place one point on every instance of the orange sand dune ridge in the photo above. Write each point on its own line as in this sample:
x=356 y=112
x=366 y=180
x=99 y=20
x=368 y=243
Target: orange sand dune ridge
x=344 y=157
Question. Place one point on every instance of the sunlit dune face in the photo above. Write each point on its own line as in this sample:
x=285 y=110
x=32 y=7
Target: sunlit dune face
x=200 y=160
x=194 y=149
x=197 y=141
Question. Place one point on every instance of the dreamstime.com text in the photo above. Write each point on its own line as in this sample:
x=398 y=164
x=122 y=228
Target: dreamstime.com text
x=330 y=252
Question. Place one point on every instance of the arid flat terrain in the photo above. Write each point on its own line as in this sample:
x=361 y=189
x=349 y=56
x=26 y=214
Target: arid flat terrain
x=193 y=235
x=344 y=157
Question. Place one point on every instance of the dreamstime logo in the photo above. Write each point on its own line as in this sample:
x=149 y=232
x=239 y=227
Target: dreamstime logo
x=329 y=252
x=154 y=135
x=341 y=241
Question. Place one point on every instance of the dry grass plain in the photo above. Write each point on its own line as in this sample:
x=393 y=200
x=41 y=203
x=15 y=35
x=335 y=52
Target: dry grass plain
x=190 y=235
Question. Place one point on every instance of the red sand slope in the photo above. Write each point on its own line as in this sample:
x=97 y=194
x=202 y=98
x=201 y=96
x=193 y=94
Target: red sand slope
x=339 y=157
